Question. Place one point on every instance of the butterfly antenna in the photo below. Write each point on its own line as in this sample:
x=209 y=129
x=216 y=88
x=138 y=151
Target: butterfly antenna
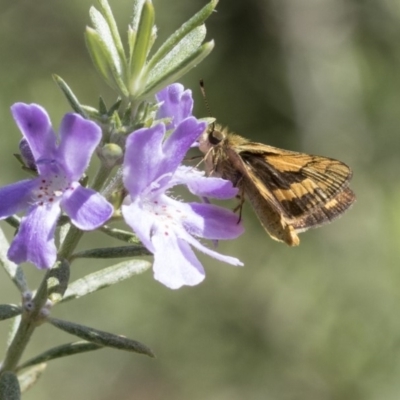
x=203 y=92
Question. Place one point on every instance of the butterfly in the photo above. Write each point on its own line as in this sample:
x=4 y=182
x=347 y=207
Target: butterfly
x=290 y=192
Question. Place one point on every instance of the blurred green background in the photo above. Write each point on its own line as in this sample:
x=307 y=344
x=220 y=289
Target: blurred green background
x=320 y=321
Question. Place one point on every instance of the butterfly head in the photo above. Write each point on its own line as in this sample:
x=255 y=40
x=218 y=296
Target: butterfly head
x=213 y=136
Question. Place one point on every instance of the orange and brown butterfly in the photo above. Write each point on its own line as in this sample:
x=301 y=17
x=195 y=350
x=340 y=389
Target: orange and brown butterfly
x=290 y=192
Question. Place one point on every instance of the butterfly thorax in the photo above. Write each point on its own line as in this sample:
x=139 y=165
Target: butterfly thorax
x=221 y=160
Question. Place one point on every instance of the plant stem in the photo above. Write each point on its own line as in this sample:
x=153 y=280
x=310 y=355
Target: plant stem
x=30 y=319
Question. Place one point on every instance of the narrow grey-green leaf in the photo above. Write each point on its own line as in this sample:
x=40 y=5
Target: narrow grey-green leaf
x=182 y=51
x=180 y=70
x=105 y=277
x=120 y=234
x=105 y=35
x=102 y=60
x=14 y=271
x=142 y=45
x=13 y=221
x=114 y=107
x=137 y=12
x=109 y=17
x=113 y=252
x=69 y=95
x=57 y=281
x=13 y=329
x=177 y=36
x=9 y=311
x=100 y=337
x=9 y=386
x=30 y=377
x=64 y=350
x=102 y=106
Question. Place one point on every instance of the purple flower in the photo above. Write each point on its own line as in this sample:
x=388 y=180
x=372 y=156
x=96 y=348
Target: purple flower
x=167 y=226
x=59 y=166
x=177 y=104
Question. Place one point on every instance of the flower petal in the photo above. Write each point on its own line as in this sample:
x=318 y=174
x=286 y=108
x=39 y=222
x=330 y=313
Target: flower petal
x=177 y=145
x=203 y=186
x=175 y=263
x=141 y=222
x=87 y=209
x=177 y=104
x=142 y=158
x=210 y=221
x=79 y=138
x=34 y=241
x=221 y=257
x=16 y=197
x=35 y=125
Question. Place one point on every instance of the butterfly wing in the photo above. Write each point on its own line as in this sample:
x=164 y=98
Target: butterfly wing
x=304 y=190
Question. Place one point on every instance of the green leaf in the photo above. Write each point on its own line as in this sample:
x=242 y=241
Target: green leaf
x=114 y=107
x=102 y=106
x=104 y=33
x=113 y=252
x=141 y=46
x=63 y=350
x=104 y=278
x=103 y=61
x=13 y=329
x=182 y=51
x=120 y=234
x=136 y=14
x=9 y=386
x=100 y=337
x=164 y=79
x=13 y=270
x=30 y=377
x=70 y=96
x=57 y=281
x=177 y=36
x=13 y=221
x=9 y=311
x=112 y=25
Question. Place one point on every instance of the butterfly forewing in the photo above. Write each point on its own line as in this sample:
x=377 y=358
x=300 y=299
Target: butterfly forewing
x=300 y=183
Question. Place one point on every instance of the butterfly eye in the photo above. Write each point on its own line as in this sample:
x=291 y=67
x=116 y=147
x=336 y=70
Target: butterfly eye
x=215 y=137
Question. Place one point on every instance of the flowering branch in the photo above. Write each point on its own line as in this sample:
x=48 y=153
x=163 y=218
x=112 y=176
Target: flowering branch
x=140 y=141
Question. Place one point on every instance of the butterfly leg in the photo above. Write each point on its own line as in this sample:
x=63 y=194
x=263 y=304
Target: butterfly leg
x=239 y=207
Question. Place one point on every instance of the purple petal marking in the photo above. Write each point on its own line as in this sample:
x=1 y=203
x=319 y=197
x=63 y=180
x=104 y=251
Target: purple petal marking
x=79 y=138
x=177 y=145
x=87 y=209
x=142 y=158
x=175 y=263
x=203 y=186
x=177 y=104
x=210 y=221
x=34 y=241
x=16 y=197
x=35 y=125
